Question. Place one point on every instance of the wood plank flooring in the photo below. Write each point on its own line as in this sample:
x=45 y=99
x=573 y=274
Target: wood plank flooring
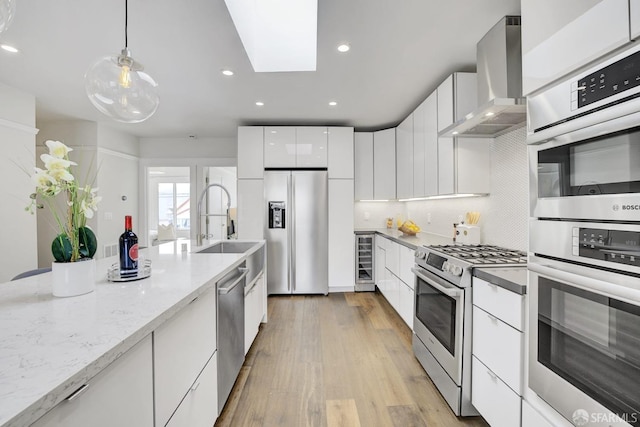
x=336 y=360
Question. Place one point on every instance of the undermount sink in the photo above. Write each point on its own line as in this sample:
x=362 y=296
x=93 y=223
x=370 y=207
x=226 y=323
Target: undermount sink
x=228 y=247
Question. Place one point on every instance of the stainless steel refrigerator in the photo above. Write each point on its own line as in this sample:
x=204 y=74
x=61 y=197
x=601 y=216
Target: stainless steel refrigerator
x=296 y=204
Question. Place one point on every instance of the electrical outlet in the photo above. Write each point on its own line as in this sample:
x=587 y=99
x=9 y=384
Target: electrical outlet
x=367 y=216
x=429 y=218
x=108 y=216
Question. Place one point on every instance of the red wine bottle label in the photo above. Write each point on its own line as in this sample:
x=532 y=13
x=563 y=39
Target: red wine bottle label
x=133 y=252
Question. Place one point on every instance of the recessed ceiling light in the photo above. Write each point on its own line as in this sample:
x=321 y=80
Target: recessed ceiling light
x=227 y=72
x=9 y=48
x=260 y=103
x=333 y=103
x=455 y=132
x=489 y=114
x=344 y=48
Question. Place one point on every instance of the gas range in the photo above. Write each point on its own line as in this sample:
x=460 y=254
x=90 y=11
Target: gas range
x=455 y=262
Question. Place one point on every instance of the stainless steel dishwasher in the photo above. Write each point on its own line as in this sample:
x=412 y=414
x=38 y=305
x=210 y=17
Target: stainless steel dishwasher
x=230 y=330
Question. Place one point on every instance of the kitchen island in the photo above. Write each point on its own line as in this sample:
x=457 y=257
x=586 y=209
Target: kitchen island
x=53 y=346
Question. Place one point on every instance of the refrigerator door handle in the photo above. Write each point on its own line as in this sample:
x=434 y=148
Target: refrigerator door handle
x=292 y=246
x=289 y=227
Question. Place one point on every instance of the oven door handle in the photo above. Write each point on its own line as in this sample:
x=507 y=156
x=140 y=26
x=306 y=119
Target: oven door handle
x=587 y=283
x=453 y=292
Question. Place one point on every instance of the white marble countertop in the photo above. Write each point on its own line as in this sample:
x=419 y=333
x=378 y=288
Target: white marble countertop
x=51 y=346
x=420 y=239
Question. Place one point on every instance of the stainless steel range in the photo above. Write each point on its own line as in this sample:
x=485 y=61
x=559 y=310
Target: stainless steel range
x=442 y=315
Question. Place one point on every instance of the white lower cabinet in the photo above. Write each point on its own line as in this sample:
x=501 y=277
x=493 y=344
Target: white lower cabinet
x=253 y=311
x=182 y=347
x=202 y=394
x=120 y=395
x=405 y=308
x=394 y=278
x=495 y=401
x=532 y=418
x=498 y=353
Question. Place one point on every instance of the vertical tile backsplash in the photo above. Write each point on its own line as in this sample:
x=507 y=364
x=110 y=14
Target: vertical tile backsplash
x=504 y=213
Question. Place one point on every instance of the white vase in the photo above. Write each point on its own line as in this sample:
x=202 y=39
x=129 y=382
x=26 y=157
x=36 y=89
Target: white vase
x=73 y=278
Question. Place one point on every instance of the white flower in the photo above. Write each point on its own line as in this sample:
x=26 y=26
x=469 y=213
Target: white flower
x=61 y=175
x=58 y=149
x=51 y=162
x=45 y=183
x=86 y=210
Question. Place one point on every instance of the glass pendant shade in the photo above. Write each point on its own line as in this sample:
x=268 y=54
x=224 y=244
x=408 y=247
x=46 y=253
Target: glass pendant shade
x=118 y=87
x=7 y=13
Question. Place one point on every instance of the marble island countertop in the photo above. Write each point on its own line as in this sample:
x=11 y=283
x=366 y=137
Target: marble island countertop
x=51 y=346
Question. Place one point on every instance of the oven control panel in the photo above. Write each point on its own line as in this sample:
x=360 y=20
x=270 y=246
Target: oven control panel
x=615 y=78
x=622 y=247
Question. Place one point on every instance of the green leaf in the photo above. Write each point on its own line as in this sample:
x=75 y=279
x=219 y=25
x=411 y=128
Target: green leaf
x=88 y=242
x=61 y=248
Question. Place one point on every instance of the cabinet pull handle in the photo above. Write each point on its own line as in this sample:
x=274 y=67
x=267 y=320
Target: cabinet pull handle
x=493 y=318
x=493 y=286
x=195 y=386
x=77 y=393
x=493 y=376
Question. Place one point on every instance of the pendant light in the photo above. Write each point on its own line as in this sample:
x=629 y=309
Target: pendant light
x=118 y=87
x=7 y=13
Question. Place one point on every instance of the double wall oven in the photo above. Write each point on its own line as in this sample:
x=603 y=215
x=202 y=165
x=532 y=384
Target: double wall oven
x=584 y=244
x=442 y=321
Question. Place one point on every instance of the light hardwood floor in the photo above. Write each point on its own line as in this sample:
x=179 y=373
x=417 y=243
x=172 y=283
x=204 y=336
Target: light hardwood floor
x=337 y=360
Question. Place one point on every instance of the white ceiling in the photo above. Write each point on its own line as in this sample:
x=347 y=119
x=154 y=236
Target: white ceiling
x=400 y=51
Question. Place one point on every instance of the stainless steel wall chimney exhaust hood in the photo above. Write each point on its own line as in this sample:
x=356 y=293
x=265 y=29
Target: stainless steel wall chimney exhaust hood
x=501 y=105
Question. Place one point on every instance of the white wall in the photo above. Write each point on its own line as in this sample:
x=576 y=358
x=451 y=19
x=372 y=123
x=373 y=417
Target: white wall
x=181 y=148
x=18 y=250
x=504 y=213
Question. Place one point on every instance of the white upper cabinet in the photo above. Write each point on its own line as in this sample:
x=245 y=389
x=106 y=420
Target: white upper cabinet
x=464 y=166
x=279 y=147
x=384 y=164
x=250 y=152
x=340 y=153
x=446 y=166
x=560 y=37
x=430 y=113
x=363 y=146
x=419 y=121
x=457 y=97
x=404 y=158
x=295 y=147
x=311 y=147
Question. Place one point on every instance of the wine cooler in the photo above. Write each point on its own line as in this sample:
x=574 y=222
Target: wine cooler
x=364 y=263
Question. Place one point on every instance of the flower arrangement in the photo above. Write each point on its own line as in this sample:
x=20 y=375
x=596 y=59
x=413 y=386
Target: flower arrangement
x=76 y=241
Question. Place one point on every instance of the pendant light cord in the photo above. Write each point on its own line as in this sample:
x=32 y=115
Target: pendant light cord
x=126 y=22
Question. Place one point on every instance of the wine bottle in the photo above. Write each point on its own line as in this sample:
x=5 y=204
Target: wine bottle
x=128 y=250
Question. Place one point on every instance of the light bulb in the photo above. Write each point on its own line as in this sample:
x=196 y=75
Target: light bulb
x=118 y=88
x=125 y=77
x=7 y=13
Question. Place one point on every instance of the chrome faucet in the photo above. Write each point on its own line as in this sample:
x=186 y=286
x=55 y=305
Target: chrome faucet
x=200 y=236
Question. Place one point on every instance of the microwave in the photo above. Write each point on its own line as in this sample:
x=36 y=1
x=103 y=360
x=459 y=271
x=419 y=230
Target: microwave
x=584 y=144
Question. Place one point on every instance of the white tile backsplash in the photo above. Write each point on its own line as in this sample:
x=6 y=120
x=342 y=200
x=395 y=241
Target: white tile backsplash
x=504 y=213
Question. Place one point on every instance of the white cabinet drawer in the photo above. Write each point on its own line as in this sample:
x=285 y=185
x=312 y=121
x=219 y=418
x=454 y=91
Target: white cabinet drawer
x=499 y=346
x=406 y=299
x=200 y=406
x=503 y=304
x=496 y=402
x=182 y=346
x=120 y=395
x=532 y=418
x=406 y=262
x=393 y=257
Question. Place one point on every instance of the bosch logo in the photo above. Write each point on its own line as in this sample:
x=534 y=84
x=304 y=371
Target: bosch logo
x=616 y=208
x=631 y=207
